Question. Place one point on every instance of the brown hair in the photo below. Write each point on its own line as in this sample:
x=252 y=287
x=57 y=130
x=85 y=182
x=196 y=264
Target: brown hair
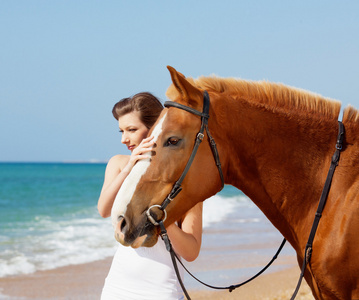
x=145 y=103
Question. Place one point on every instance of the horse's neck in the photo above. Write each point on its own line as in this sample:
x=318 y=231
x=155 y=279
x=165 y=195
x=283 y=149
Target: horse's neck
x=280 y=161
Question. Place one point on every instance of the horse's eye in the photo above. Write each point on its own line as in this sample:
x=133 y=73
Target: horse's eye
x=172 y=141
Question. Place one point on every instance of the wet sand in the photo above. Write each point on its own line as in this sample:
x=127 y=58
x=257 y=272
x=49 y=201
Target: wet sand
x=84 y=282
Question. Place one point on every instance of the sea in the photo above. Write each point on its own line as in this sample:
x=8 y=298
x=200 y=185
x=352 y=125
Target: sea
x=49 y=219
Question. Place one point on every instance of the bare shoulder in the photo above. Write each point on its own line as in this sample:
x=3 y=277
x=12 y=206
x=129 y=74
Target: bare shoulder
x=117 y=162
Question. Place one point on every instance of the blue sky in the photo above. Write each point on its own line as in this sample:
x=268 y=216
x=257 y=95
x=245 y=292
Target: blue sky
x=63 y=64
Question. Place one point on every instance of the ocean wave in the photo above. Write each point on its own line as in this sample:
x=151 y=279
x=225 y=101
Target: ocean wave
x=216 y=208
x=48 y=242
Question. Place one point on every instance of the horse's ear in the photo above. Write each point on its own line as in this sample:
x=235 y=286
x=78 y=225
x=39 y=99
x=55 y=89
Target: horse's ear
x=191 y=95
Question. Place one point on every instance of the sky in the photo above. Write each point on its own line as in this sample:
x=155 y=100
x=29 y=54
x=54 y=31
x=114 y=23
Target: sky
x=64 y=64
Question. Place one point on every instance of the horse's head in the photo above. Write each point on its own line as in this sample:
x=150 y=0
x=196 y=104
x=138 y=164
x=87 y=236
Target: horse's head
x=150 y=181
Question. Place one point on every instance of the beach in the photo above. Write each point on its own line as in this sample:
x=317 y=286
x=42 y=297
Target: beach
x=85 y=281
x=230 y=254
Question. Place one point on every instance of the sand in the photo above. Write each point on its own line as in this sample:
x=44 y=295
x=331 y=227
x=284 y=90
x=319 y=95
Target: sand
x=84 y=282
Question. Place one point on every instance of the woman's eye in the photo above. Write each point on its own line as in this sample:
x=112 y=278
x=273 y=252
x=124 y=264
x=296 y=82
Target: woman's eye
x=172 y=141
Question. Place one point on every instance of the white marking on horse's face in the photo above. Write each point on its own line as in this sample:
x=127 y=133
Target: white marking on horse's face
x=128 y=187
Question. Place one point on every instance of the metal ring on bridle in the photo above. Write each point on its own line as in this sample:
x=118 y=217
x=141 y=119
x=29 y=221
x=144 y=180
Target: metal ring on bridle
x=152 y=219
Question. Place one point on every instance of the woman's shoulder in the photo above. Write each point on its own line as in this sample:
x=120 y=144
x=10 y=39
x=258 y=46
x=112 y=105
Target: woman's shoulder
x=118 y=161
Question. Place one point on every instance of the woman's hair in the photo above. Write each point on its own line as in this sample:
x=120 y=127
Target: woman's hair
x=148 y=106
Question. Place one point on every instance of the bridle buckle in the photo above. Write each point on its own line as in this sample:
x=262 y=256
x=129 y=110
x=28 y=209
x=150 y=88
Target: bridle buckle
x=200 y=136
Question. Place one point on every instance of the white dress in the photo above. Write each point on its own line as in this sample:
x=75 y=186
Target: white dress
x=142 y=274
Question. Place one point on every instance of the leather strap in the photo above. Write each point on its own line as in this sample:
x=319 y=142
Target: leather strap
x=169 y=248
x=322 y=201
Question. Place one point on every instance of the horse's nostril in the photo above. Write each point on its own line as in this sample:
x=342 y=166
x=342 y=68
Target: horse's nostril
x=123 y=224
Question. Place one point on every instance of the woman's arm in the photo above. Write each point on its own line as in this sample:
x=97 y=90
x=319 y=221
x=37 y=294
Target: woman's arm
x=116 y=172
x=115 y=175
x=186 y=241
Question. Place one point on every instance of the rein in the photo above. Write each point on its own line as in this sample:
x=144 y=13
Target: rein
x=322 y=201
x=230 y=288
x=177 y=189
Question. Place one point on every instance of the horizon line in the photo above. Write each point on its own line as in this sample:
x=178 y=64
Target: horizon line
x=91 y=161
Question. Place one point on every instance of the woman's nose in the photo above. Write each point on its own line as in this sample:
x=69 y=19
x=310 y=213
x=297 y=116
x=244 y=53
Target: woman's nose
x=124 y=138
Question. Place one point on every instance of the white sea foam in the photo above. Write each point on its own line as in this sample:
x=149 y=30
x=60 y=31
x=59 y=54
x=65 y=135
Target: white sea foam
x=216 y=208
x=55 y=244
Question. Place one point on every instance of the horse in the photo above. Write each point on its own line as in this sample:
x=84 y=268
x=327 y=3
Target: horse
x=275 y=144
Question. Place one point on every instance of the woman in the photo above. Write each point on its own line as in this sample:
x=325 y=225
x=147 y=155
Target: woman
x=144 y=273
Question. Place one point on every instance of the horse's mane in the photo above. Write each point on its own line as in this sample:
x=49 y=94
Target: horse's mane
x=272 y=94
x=351 y=114
x=275 y=95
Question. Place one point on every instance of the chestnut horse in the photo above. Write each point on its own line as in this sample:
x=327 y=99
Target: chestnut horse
x=275 y=143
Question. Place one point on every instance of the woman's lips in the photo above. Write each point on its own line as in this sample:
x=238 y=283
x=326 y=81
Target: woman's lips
x=131 y=147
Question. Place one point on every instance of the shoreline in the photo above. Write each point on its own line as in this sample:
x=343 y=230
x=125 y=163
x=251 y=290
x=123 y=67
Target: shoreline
x=85 y=282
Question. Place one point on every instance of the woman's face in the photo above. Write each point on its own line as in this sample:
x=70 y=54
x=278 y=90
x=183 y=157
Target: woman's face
x=132 y=129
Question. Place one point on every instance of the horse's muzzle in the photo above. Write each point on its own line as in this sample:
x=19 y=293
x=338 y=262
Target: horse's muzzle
x=143 y=234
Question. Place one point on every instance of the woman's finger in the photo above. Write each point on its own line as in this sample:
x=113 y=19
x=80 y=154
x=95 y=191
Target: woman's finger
x=147 y=140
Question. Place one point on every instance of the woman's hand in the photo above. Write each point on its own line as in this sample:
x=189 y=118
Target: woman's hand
x=117 y=170
x=140 y=152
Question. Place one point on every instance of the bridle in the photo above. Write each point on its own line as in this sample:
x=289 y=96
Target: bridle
x=176 y=189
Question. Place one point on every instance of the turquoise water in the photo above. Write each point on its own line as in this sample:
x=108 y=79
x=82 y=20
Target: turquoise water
x=49 y=218
x=54 y=190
